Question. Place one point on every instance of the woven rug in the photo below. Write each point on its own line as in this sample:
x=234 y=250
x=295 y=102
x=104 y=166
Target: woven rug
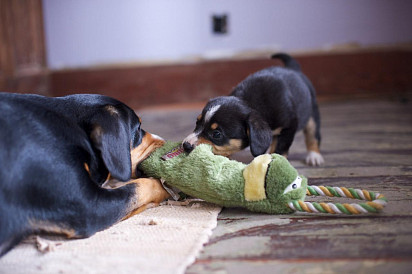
x=165 y=239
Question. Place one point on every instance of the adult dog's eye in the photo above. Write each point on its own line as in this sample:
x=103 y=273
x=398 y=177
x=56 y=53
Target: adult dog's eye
x=216 y=134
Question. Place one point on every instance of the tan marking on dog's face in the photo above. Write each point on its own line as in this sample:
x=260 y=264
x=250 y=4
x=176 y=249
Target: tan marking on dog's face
x=149 y=143
x=96 y=134
x=149 y=192
x=86 y=167
x=202 y=140
x=310 y=138
x=48 y=227
x=234 y=145
x=112 y=110
x=199 y=117
x=214 y=126
x=277 y=131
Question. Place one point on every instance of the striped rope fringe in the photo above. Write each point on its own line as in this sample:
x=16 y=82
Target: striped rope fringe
x=375 y=203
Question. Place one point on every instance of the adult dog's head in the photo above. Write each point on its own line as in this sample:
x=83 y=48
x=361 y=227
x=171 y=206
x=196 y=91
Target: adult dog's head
x=117 y=139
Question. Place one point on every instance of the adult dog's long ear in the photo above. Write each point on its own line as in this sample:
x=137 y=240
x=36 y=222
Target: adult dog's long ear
x=111 y=136
x=260 y=135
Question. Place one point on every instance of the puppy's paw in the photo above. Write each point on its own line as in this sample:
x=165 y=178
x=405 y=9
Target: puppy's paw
x=314 y=159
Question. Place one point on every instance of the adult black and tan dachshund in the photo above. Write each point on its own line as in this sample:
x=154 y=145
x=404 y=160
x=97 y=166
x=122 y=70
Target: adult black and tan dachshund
x=55 y=155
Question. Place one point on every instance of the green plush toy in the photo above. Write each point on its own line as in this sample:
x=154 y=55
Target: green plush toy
x=268 y=184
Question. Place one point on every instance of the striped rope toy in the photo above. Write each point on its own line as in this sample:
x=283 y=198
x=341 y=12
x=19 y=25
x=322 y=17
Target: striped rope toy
x=375 y=203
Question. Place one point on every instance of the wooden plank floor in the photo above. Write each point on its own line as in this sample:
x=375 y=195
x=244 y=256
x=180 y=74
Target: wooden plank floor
x=366 y=144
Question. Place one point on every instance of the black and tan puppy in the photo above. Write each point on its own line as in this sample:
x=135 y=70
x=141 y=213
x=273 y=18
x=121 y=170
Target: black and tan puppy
x=264 y=112
x=55 y=154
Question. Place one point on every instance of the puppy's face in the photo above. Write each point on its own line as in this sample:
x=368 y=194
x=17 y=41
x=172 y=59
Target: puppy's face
x=229 y=125
x=221 y=124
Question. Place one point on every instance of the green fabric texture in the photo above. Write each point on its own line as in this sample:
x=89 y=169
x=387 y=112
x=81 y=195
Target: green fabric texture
x=218 y=180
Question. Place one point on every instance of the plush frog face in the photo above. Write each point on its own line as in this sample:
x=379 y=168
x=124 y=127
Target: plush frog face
x=272 y=181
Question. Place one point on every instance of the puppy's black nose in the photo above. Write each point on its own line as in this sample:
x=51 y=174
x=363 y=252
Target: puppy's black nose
x=188 y=147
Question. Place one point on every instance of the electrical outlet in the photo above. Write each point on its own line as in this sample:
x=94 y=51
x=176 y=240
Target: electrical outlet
x=220 y=24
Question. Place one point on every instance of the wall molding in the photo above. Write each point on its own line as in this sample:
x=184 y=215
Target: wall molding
x=335 y=76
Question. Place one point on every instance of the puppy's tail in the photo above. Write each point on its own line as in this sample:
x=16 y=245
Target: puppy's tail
x=287 y=60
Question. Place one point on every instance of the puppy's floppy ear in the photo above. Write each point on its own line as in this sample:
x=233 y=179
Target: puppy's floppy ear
x=111 y=136
x=260 y=135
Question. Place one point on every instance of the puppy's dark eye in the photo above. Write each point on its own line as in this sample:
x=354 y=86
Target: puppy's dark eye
x=216 y=134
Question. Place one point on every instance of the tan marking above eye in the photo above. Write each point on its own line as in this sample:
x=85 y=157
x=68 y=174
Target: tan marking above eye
x=111 y=109
x=86 y=167
x=96 y=134
x=199 y=117
x=214 y=126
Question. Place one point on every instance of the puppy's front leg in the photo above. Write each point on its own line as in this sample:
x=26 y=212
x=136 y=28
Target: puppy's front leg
x=312 y=140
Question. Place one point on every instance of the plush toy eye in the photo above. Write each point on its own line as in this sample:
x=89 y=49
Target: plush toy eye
x=216 y=134
x=294 y=185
